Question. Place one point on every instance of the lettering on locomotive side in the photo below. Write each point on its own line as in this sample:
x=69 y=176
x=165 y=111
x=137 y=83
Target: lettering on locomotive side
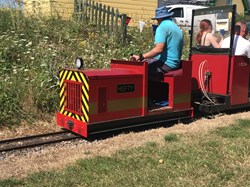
x=124 y=88
x=242 y=64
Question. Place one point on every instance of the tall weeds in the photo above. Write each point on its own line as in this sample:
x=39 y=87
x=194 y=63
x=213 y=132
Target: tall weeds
x=33 y=50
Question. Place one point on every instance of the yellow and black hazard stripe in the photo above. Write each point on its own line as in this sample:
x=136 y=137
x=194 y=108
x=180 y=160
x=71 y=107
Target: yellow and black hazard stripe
x=77 y=76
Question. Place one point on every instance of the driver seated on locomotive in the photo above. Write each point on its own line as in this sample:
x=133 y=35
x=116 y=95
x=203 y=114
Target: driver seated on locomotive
x=205 y=38
x=166 y=54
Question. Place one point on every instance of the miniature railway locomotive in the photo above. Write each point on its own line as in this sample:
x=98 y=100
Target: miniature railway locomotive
x=212 y=80
x=102 y=98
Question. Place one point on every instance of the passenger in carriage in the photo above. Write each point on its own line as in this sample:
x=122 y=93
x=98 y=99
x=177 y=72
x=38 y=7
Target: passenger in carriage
x=205 y=37
x=166 y=54
x=241 y=45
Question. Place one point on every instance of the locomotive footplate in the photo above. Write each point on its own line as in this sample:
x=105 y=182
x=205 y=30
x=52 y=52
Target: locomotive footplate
x=215 y=104
x=213 y=108
x=223 y=104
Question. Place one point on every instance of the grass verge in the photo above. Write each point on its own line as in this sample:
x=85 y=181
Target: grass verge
x=218 y=158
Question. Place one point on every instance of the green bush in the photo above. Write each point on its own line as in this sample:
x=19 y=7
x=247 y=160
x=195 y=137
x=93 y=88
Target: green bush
x=10 y=107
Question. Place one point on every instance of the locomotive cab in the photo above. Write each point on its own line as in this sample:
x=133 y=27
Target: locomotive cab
x=220 y=79
x=171 y=89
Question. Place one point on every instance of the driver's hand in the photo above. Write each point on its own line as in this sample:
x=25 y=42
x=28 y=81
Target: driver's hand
x=131 y=58
x=135 y=57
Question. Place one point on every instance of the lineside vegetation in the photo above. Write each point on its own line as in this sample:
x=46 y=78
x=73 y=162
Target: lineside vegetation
x=33 y=49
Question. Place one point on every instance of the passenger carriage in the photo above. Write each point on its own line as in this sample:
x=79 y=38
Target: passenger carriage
x=220 y=80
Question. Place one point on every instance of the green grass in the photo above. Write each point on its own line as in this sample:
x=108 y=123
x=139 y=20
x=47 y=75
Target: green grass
x=171 y=137
x=240 y=131
x=213 y=159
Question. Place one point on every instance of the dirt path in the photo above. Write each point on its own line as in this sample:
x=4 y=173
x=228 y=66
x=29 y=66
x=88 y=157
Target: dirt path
x=66 y=153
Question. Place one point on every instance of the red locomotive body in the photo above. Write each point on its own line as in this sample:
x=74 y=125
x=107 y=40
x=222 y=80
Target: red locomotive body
x=213 y=80
x=92 y=97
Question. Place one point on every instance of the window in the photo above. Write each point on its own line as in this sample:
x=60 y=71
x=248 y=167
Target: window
x=178 y=12
x=222 y=15
x=229 y=2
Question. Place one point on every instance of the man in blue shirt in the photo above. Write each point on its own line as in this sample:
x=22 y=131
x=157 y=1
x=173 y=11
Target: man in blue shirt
x=166 y=54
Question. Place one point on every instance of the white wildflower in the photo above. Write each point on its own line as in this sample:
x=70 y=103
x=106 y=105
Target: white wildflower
x=28 y=44
x=42 y=65
x=92 y=57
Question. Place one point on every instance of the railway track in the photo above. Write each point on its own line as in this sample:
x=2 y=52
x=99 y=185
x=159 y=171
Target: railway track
x=32 y=141
x=36 y=140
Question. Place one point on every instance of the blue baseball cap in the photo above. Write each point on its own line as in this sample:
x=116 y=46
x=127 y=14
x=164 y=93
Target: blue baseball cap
x=162 y=12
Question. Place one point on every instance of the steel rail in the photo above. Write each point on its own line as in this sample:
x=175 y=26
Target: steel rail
x=70 y=136
x=37 y=140
x=31 y=136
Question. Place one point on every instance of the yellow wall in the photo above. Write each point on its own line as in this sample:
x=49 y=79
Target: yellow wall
x=63 y=8
x=38 y=7
x=136 y=9
x=240 y=6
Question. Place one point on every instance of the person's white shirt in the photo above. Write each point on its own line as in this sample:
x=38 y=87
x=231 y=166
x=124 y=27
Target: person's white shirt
x=242 y=45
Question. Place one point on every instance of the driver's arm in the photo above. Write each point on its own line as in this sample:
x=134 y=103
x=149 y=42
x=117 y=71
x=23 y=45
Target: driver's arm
x=155 y=51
